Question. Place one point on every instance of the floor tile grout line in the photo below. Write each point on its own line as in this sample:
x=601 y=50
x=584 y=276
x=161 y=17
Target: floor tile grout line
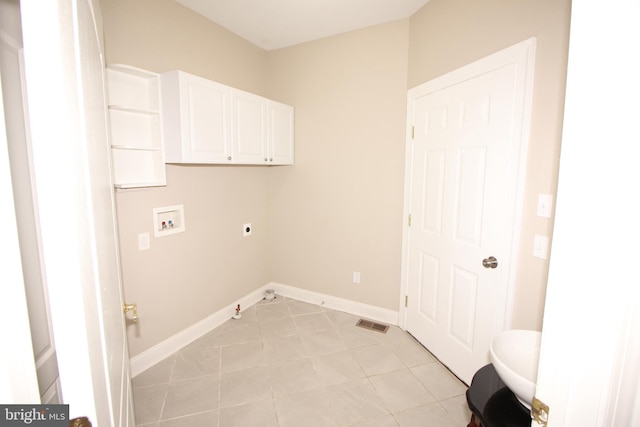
x=179 y=417
x=166 y=395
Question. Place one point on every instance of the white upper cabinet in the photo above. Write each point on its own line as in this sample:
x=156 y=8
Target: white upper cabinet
x=210 y=123
x=135 y=129
x=280 y=148
x=197 y=119
x=249 y=128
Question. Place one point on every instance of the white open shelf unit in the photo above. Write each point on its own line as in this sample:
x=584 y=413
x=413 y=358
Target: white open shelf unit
x=135 y=125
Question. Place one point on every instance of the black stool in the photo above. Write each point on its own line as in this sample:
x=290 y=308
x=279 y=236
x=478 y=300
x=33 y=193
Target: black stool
x=492 y=404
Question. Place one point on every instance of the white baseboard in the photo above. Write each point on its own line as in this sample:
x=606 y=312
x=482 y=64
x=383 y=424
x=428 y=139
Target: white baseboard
x=166 y=348
x=143 y=361
x=370 y=312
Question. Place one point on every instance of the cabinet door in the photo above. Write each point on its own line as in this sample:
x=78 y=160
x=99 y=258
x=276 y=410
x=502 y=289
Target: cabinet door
x=196 y=119
x=281 y=134
x=206 y=115
x=249 y=128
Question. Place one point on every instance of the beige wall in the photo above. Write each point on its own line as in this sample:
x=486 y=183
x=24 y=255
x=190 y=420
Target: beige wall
x=447 y=34
x=162 y=35
x=339 y=209
x=185 y=277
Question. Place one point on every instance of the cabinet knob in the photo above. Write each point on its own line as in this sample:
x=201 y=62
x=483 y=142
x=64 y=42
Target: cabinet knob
x=229 y=158
x=271 y=159
x=265 y=159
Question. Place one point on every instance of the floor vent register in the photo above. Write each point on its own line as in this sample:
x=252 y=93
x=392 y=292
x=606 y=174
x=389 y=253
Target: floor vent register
x=367 y=324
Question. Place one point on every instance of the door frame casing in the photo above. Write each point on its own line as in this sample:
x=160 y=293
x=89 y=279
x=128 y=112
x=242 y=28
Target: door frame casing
x=17 y=364
x=523 y=55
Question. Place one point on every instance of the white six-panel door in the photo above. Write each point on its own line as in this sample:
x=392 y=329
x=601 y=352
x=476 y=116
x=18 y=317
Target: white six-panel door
x=64 y=70
x=462 y=194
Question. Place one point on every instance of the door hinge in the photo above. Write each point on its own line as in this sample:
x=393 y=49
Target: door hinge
x=539 y=412
x=409 y=221
x=413 y=128
x=406 y=301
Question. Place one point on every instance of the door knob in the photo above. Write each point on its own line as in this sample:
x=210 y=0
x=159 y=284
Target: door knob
x=490 y=262
x=133 y=308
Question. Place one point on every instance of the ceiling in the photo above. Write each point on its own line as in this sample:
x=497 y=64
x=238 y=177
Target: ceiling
x=274 y=24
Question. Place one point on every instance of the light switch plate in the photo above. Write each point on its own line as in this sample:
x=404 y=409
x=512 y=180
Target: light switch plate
x=144 y=241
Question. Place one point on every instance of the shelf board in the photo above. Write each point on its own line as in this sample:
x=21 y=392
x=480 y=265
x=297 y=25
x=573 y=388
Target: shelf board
x=133 y=147
x=127 y=109
x=140 y=185
x=127 y=69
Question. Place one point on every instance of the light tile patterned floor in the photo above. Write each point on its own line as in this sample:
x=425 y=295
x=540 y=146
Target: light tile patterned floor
x=287 y=363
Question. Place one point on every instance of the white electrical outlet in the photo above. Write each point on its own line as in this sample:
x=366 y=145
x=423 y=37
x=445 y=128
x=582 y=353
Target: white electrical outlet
x=544 y=205
x=356 y=277
x=540 y=246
